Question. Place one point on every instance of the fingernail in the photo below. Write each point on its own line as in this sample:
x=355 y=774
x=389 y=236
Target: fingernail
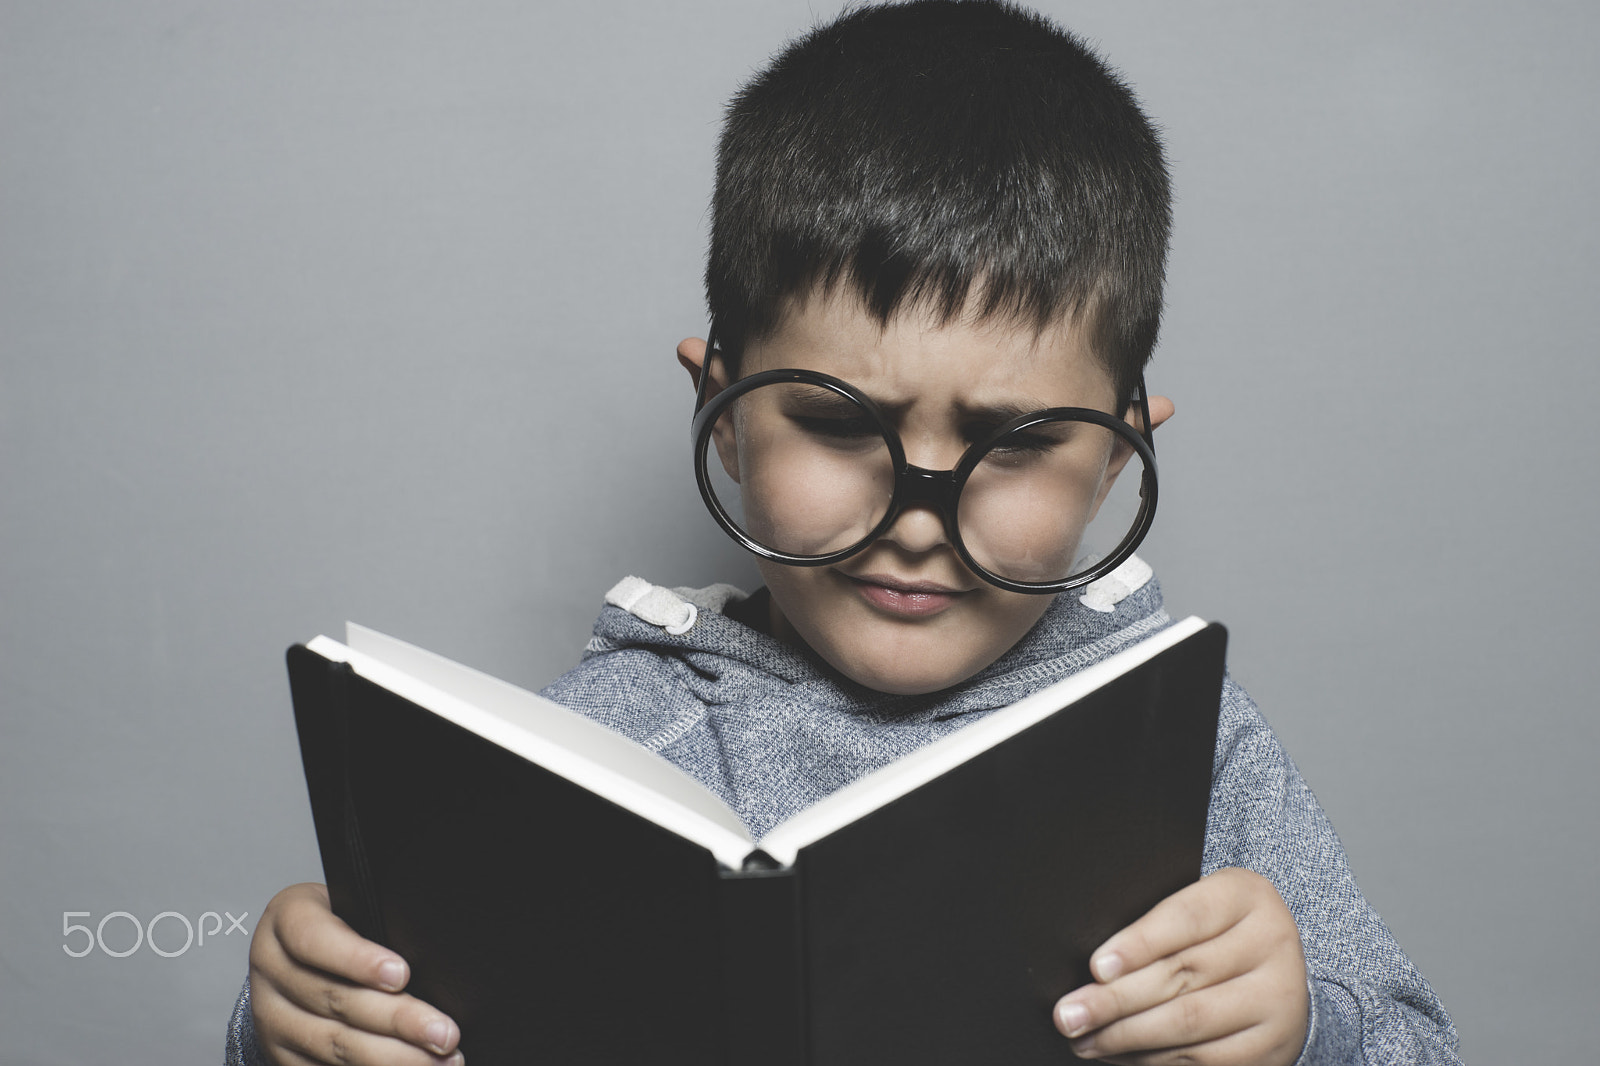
x=1072 y=1017
x=1107 y=967
x=457 y=1059
x=1083 y=1047
x=438 y=1034
x=392 y=974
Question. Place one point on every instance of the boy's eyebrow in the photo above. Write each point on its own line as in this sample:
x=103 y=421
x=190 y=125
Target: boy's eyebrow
x=1004 y=410
x=997 y=412
x=819 y=397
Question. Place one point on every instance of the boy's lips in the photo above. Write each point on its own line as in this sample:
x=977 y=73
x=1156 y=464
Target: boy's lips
x=903 y=596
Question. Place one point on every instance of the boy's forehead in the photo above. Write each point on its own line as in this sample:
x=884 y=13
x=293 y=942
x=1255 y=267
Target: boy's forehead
x=917 y=349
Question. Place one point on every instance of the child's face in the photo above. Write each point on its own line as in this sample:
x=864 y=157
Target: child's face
x=905 y=615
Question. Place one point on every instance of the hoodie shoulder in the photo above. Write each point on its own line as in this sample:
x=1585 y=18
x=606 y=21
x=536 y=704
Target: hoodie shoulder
x=693 y=627
x=634 y=690
x=658 y=656
x=658 y=664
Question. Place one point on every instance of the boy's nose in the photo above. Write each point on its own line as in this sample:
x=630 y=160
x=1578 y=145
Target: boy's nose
x=917 y=528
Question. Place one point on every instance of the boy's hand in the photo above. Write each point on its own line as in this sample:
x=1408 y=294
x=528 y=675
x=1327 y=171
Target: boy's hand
x=1213 y=974
x=322 y=994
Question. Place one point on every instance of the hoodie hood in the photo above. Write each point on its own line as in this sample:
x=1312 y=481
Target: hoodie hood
x=771 y=727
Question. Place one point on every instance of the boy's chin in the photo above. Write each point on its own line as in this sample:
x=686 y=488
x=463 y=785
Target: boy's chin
x=900 y=678
x=898 y=663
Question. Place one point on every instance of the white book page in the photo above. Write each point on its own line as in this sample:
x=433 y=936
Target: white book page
x=867 y=794
x=544 y=732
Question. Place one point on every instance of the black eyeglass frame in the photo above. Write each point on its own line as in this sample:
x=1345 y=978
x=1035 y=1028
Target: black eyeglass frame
x=938 y=489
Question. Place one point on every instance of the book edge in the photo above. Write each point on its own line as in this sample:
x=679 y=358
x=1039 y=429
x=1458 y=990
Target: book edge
x=512 y=726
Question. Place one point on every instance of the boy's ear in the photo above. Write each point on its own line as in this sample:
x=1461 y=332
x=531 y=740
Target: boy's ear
x=1161 y=409
x=692 y=357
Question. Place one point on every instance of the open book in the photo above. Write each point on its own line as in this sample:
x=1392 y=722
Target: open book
x=568 y=896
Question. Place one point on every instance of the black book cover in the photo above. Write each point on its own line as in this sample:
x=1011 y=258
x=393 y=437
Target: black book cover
x=557 y=927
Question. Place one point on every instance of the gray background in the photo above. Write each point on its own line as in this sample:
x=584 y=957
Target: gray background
x=312 y=311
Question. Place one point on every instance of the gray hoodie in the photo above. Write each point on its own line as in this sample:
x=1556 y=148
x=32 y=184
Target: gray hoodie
x=772 y=729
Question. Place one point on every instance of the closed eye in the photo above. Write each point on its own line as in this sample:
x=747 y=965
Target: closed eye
x=825 y=414
x=1037 y=441
x=1025 y=443
x=854 y=428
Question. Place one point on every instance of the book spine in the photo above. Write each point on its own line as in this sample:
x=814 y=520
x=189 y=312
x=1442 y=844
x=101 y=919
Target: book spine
x=763 y=965
x=322 y=706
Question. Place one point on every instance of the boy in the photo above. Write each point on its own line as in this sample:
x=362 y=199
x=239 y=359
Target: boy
x=935 y=277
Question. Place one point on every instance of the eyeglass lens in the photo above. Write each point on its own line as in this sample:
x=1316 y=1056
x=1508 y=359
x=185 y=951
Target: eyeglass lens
x=805 y=471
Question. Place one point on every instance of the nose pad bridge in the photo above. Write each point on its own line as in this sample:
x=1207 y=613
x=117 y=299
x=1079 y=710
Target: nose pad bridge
x=929 y=488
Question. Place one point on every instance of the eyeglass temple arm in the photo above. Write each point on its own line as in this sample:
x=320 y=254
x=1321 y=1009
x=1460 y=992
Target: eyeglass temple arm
x=1146 y=430
x=700 y=389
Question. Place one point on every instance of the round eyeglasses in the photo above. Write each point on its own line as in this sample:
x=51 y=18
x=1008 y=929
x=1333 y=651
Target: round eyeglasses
x=804 y=469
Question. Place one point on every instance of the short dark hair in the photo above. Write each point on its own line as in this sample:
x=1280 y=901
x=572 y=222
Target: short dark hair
x=912 y=151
